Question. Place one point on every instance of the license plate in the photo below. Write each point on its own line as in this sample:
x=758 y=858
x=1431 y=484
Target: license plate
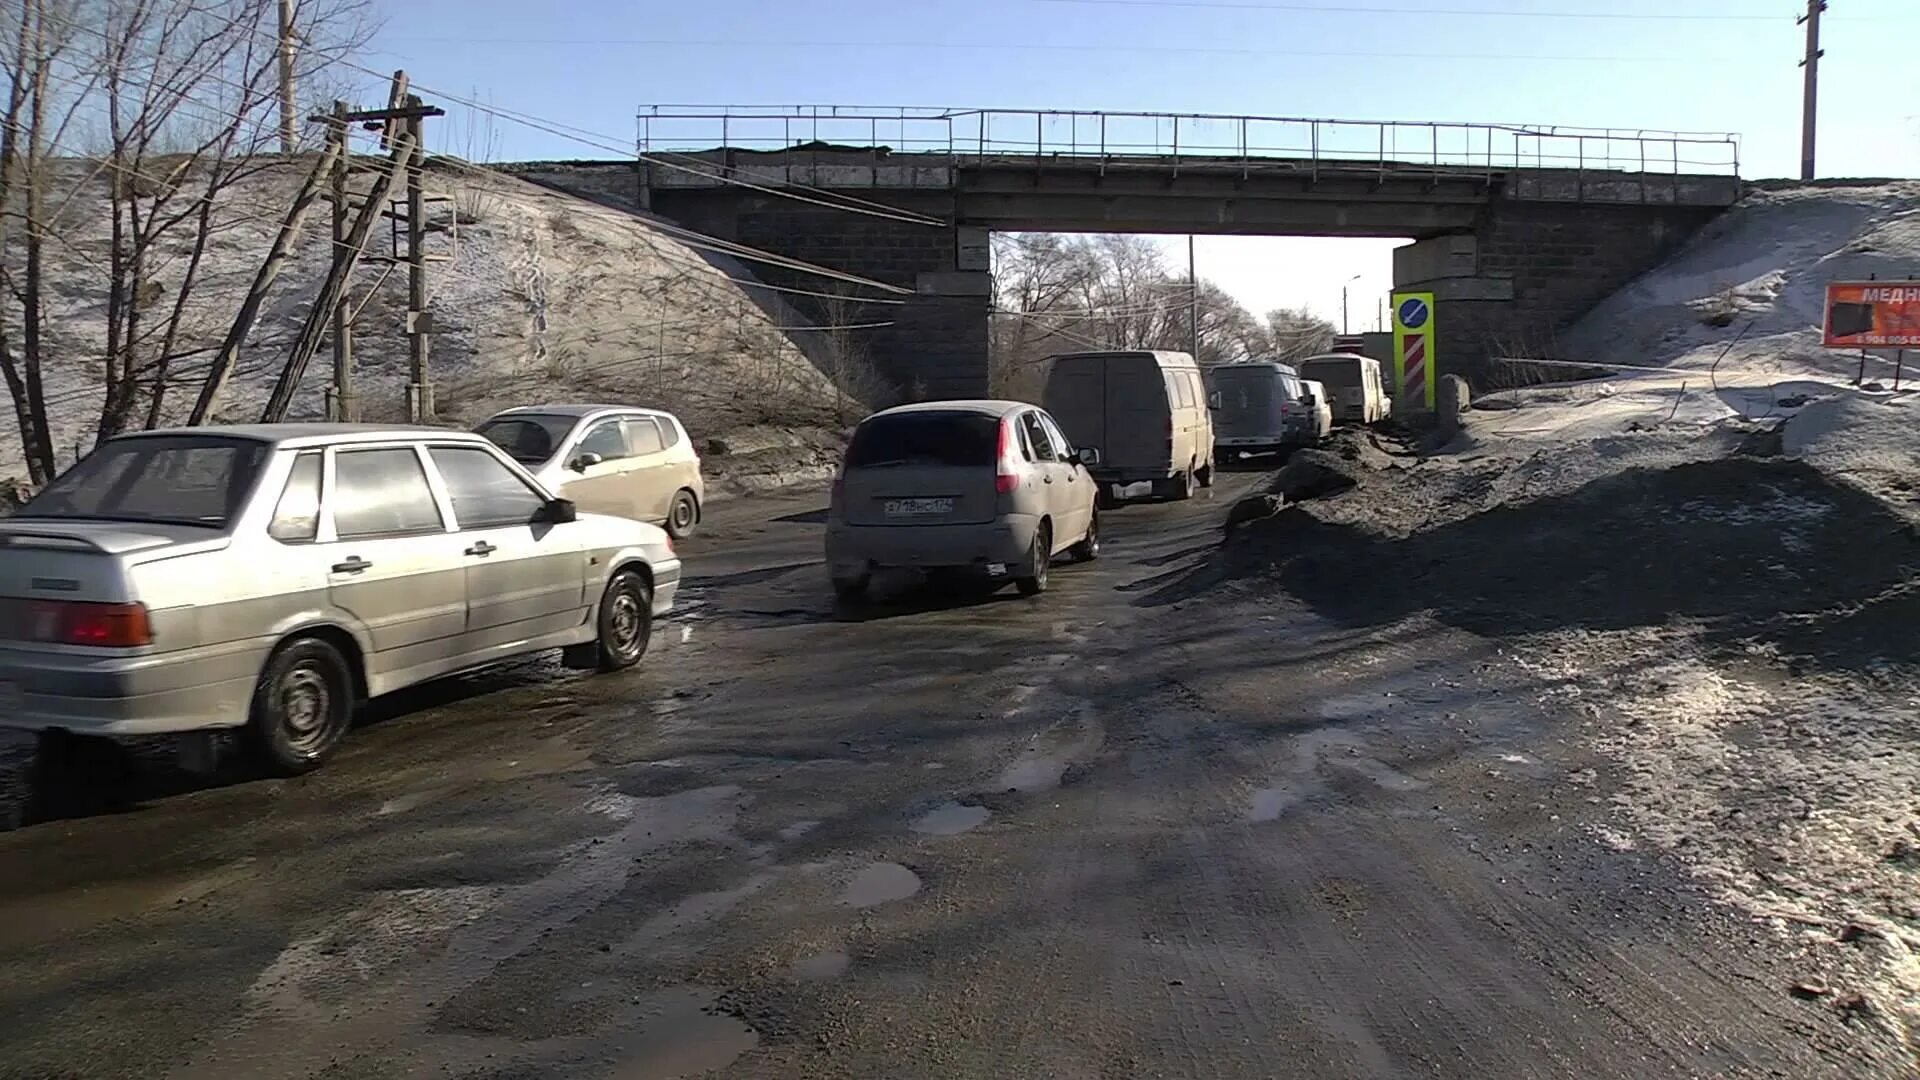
x=917 y=507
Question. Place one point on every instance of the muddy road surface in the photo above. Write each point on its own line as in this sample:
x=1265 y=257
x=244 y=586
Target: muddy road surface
x=1156 y=822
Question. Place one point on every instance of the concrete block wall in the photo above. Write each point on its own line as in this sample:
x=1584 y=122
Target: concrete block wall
x=936 y=346
x=1531 y=268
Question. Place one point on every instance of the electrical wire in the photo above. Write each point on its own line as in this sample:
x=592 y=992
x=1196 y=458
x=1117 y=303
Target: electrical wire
x=1363 y=9
x=1061 y=47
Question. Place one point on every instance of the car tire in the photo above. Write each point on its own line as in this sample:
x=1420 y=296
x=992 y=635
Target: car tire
x=683 y=515
x=1088 y=549
x=302 y=707
x=1034 y=581
x=624 y=622
x=1180 y=488
x=1206 y=475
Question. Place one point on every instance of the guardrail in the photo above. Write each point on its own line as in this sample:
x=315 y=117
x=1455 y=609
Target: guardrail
x=1118 y=139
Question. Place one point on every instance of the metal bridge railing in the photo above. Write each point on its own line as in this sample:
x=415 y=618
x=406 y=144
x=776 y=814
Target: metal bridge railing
x=1118 y=139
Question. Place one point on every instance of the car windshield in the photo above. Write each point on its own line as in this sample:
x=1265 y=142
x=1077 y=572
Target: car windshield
x=173 y=479
x=924 y=438
x=528 y=438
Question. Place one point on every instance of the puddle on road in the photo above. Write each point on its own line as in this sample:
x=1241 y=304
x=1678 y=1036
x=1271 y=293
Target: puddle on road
x=798 y=829
x=880 y=883
x=826 y=965
x=950 y=819
x=1312 y=754
x=681 y=1036
x=1034 y=775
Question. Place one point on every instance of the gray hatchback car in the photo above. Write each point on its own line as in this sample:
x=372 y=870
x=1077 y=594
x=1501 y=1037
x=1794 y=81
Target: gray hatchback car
x=270 y=578
x=982 y=486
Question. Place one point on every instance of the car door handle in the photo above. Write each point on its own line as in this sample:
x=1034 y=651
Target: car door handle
x=354 y=565
x=482 y=549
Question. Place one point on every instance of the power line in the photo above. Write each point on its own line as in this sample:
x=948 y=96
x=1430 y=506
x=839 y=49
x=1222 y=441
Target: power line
x=848 y=204
x=1055 y=47
x=1317 y=9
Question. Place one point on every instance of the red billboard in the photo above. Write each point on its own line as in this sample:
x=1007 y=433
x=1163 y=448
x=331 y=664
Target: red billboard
x=1873 y=315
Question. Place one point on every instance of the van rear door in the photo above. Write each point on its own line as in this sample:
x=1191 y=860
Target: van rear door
x=1076 y=397
x=1139 y=414
x=922 y=468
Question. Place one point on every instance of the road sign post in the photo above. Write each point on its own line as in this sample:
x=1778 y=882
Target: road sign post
x=1413 y=352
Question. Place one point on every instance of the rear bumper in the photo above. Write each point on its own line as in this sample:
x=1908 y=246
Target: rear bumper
x=1132 y=475
x=855 y=549
x=120 y=695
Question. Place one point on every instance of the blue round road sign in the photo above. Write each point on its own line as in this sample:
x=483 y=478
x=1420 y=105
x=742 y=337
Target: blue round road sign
x=1413 y=313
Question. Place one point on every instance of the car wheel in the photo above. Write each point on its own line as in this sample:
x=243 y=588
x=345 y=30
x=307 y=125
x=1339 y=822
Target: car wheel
x=1088 y=549
x=625 y=622
x=1181 y=486
x=1206 y=475
x=302 y=707
x=1035 y=581
x=683 y=517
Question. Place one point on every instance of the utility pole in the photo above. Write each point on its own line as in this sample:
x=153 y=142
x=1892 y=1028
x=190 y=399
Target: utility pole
x=419 y=320
x=1809 y=105
x=345 y=406
x=1193 y=304
x=289 y=119
x=283 y=241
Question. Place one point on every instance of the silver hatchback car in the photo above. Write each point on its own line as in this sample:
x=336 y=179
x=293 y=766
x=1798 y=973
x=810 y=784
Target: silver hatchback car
x=960 y=485
x=272 y=577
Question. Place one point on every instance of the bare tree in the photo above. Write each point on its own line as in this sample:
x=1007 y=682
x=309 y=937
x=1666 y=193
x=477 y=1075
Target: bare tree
x=177 y=102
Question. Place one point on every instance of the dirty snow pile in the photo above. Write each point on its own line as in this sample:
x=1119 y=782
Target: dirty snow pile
x=540 y=297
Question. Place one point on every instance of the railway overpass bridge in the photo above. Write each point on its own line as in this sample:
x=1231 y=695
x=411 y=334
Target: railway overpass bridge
x=1518 y=230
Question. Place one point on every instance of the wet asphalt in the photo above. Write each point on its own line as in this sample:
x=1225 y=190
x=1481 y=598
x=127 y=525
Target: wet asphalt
x=1156 y=822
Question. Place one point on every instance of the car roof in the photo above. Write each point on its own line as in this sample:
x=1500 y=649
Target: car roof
x=1337 y=356
x=316 y=434
x=982 y=406
x=1164 y=357
x=576 y=410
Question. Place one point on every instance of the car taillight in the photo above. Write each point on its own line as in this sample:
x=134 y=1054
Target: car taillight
x=106 y=626
x=1005 y=479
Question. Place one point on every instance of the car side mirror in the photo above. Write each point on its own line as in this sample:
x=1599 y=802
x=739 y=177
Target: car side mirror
x=585 y=461
x=1087 y=455
x=1213 y=400
x=560 y=511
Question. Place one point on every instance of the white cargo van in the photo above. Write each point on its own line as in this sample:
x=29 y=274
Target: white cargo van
x=1145 y=412
x=1353 y=386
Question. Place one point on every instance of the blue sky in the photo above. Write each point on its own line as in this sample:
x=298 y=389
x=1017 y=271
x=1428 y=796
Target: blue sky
x=1722 y=65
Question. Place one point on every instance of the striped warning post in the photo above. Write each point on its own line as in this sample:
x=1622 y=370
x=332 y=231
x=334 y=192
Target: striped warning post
x=1414 y=364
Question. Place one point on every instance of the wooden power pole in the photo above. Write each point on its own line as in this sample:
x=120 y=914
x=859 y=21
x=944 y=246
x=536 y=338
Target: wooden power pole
x=289 y=113
x=419 y=319
x=343 y=405
x=262 y=281
x=1809 y=103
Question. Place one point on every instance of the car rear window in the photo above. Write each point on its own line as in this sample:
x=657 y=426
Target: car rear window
x=177 y=479
x=1333 y=372
x=528 y=438
x=926 y=438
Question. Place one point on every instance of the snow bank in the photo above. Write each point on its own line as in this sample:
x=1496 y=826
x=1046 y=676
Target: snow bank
x=544 y=297
x=1759 y=273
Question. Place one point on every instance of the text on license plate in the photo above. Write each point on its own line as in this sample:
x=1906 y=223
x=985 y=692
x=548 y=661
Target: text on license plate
x=917 y=507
